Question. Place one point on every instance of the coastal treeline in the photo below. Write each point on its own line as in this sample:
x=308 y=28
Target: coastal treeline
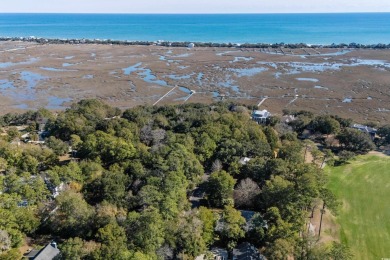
x=167 y=182
x=198 y=44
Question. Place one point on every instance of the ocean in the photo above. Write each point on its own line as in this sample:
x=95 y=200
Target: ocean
x=364 y=28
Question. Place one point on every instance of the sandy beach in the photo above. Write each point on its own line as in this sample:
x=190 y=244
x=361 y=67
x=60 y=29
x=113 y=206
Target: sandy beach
x=348 y=82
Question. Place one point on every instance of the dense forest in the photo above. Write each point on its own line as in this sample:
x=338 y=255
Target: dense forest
x=168 y=182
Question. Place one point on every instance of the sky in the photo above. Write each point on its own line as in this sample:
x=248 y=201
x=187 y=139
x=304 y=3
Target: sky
x=197 y=6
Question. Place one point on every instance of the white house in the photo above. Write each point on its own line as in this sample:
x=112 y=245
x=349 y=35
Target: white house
x=260 y=116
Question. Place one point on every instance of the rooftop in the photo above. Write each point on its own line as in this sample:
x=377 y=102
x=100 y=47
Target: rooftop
x=49 y=252
x=246 y=251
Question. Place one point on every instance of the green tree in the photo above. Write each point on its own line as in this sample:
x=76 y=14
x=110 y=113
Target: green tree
x=256 y=230
x=175 y=199
x=106 y=148
x=66 y=173
x=272 y=138
x=326 y=125
x=232 y=227
x=209 y=221
x=345 y=156
x=27 y=219
x=11 y=254
x=73 y=248
x=355 y=141
x=145 y=230
x=190 y=240
x=220 y=189
x=384 y=134
x=291 y=151
x=81 y=119
x=277 y=192
x=277 y=227
x=13 y=133
x=113 y=242
x=58 y=146
x=340 y=252
x=205 y=147
x=279 y=249
x=112 y=187
x=75 y=141
x=73 y=215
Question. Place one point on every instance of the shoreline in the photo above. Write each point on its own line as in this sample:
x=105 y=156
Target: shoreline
x=196 y=44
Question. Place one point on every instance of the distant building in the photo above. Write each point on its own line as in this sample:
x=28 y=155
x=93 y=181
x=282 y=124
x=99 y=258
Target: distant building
x=49 y=252
x=260 y=116
x=217 y=253
x=244 y=160
x=366 y=129
x=288 y=119
x=249 y=218
x=247 y=251
x=55 y=190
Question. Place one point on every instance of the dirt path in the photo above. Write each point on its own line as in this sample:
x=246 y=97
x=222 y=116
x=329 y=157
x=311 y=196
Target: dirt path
x=380 y=154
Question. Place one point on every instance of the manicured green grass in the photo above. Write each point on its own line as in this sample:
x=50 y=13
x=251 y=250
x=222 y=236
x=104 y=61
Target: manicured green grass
x=363 y=187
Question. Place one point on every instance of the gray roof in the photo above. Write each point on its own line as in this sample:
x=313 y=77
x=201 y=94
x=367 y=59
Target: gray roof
x=260 y=114
x=219 y=252
x=49 y=252
x=32 y=254
x=365 y=128
x=246 y=251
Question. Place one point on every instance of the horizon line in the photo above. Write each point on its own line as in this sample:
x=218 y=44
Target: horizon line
x=177 y=13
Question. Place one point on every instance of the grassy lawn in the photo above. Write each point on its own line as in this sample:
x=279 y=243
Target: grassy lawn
x=363 y=186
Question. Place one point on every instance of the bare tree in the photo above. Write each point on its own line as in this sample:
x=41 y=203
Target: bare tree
x=146 y=134
x=245 y=193
x=217 y=166
x=158 y=135
x=5 y=241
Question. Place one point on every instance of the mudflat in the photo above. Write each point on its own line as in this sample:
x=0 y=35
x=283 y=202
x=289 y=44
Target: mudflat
x=350 y=83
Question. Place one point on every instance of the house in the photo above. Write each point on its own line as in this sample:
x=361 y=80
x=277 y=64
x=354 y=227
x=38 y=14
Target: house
x=250 y=220
x=219 y=253
x=49 y=252
x=216 y=253
x=244 y=160
x=247 y=251
x=55 y=190
x=260 y=116
x=288 y=119
x=366 y=129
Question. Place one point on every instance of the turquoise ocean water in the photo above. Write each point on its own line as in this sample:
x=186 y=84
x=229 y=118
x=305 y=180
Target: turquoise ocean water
x=365 y=28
